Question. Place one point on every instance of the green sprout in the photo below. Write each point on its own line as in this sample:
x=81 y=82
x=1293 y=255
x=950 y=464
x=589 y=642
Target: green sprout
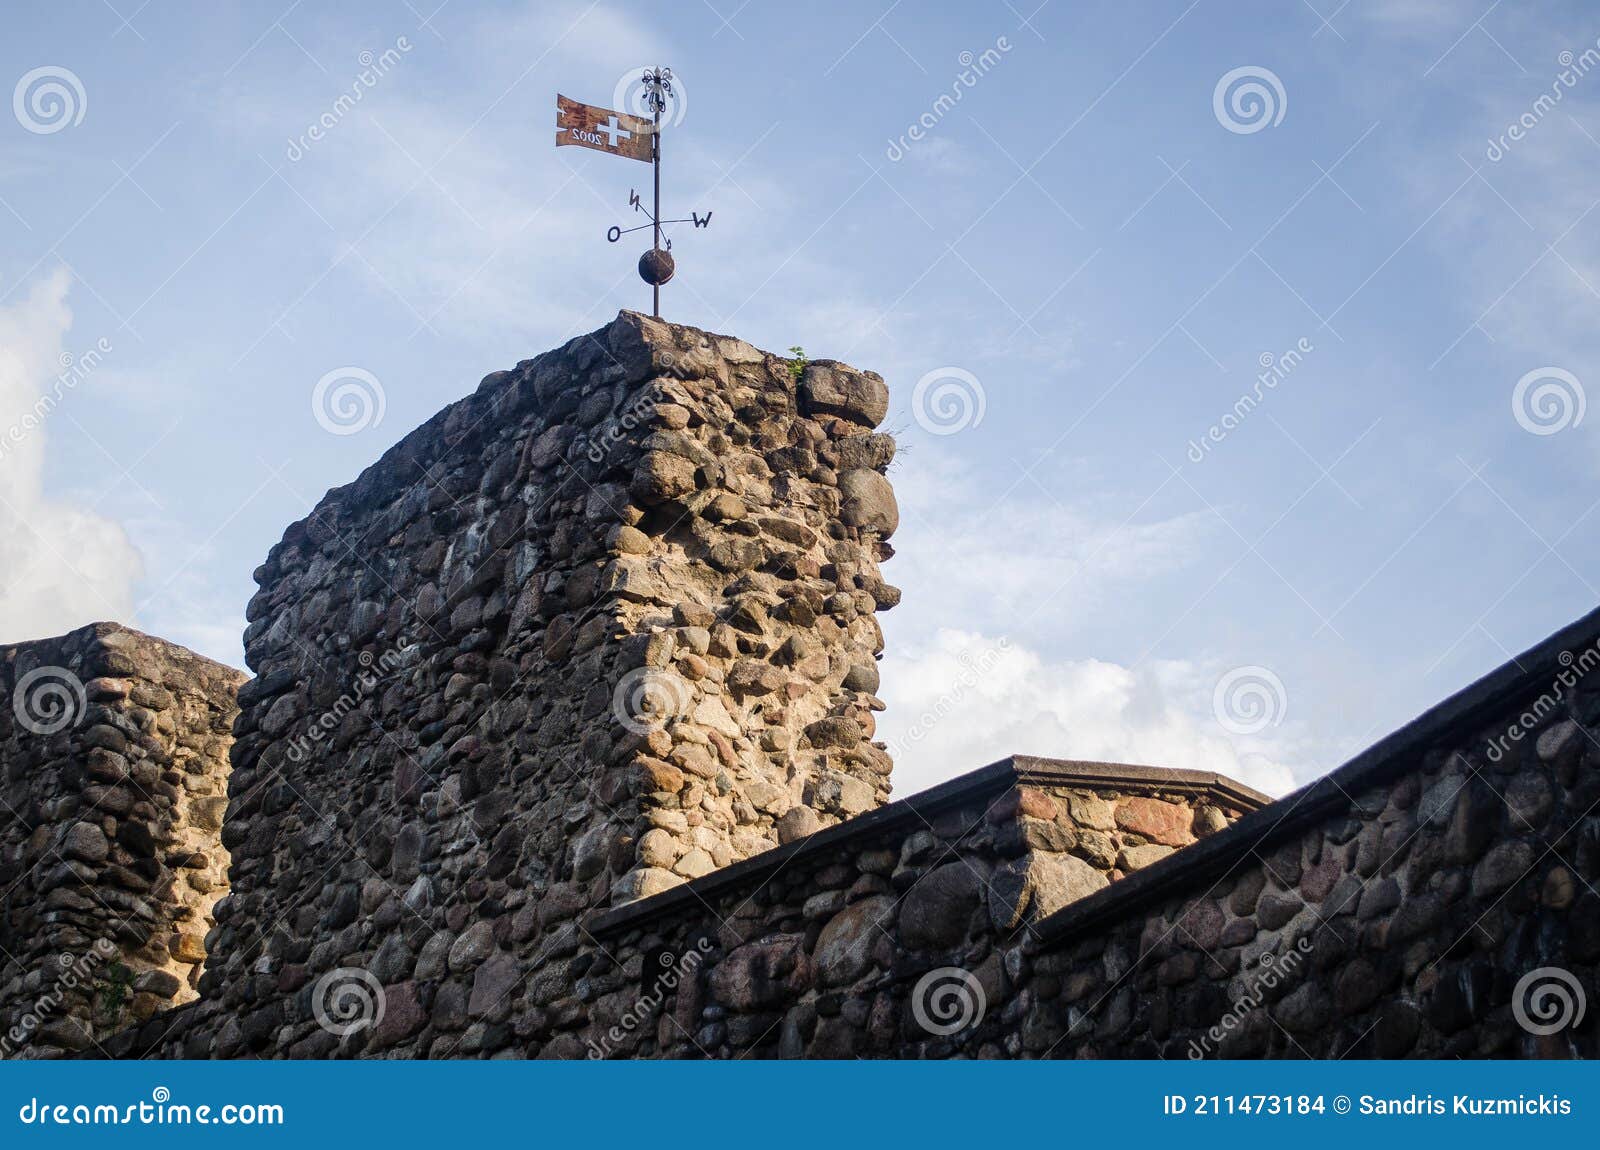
x=113 y=991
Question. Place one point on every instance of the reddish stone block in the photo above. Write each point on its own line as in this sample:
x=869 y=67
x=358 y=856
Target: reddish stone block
x=1036 y=804
x=1158 y=821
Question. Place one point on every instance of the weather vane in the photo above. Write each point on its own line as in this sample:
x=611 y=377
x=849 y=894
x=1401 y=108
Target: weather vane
x=635 y=138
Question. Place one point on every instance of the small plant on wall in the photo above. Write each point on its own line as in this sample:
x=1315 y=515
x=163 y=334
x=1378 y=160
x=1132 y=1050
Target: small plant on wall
x=111 y=993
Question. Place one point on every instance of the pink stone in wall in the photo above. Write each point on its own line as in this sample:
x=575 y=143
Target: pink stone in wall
x=403 y=1016
x=1036 y=804
x=1319 y=880
x=1158 y=821
x=1029 y=801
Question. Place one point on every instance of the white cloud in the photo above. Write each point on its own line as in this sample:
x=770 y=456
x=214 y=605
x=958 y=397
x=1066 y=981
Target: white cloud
x=1026 y=574
x=61 y=564
x=965 y=699
x=588 y=43
x=1417 y=19
x=1005 y=556
x=939 y=154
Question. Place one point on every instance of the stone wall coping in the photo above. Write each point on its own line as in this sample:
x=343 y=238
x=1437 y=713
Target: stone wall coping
x=995 y=778
x=105 y=629
x=1129 y=776
x=1386 y=759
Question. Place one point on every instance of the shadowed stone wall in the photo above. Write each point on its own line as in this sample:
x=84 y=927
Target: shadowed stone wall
x=874 y=938
x=114 y=749
x=602 y=627
x=1436 y=897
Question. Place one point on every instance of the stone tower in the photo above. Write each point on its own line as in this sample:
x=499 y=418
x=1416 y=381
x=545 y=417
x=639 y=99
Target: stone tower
x=599 y=628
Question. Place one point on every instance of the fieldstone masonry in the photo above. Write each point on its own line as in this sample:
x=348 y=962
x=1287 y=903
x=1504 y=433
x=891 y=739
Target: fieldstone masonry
x=561 y=744
x=115 y=754
x=1435 y=898
x=871 y=938
x=601 y=628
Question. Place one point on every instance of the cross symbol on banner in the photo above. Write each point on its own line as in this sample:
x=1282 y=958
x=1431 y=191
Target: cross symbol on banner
x=613 y=129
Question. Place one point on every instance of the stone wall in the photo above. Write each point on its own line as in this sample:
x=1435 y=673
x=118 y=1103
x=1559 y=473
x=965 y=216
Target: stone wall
x=114 y=751
x=870 y=938
x=562 y=745
x=1412 y=904
x=602 y=627
x=1435 y=897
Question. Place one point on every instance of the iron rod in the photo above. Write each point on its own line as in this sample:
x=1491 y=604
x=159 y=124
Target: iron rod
x=655 y=160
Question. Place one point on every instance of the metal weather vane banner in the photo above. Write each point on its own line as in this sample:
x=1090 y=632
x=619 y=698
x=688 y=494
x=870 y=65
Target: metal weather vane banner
x=634 y=138
x=603 y=130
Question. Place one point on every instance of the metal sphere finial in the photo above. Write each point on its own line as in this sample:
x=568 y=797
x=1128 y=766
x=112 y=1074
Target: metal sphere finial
x=656 y=266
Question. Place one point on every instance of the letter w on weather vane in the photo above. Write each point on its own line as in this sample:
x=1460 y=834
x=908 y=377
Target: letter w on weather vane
x=635 y=138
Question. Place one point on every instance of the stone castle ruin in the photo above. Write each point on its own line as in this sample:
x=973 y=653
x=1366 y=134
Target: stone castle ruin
x=560 y=743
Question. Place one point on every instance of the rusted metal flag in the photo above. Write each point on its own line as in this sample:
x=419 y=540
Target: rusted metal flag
x=603 y=130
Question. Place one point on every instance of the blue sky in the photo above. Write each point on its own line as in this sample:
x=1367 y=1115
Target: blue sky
x=1094 y=244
